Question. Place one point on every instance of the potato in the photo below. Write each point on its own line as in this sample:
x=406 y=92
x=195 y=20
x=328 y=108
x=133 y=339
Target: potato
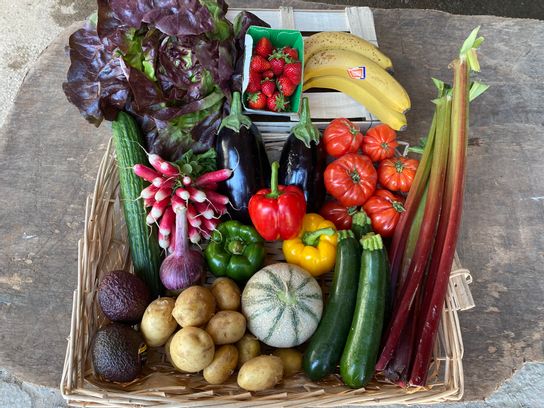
x=226 y=327
x=158 y=324
x=191 y=349
x=227 y=294
x=223 y=365
x=248 y=347
x=260 y=373
x=291 y=360
x=169 y=356
x=194 y=306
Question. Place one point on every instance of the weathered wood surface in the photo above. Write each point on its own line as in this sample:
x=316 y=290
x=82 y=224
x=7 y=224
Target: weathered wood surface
x=50 y=156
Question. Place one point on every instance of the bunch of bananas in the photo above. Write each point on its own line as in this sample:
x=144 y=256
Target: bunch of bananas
x=352 y=65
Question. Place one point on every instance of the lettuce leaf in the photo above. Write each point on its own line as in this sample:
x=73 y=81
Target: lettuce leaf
x=167 y=62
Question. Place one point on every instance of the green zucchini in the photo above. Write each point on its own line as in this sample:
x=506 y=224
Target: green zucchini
x=361 y=224
x=144 y=245
x=361 y=350
x=325 y=348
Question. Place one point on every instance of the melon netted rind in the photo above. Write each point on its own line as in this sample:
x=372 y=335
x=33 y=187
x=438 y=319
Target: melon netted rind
x=283 y=304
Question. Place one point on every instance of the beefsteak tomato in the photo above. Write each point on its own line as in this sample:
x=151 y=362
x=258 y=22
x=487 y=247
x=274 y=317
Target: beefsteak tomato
x=338 y=214
x=397 y=174
x=342 y=137
x=351 y=179
x=379 y=143
x=384 y=209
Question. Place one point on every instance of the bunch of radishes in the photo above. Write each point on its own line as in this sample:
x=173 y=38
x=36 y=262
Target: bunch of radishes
x=170 y=190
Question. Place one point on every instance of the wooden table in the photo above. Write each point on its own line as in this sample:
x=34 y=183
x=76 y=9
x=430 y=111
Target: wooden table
x=50 y=156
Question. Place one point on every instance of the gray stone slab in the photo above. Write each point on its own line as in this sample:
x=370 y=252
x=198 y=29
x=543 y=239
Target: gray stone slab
x=50 y=156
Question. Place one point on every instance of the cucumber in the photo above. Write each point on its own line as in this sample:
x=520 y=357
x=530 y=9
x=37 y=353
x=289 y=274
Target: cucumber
x=325 y=348
x=361 y=350
x=143 y=243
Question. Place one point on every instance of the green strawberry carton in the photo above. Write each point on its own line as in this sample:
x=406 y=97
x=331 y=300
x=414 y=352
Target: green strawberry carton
x=279 y=38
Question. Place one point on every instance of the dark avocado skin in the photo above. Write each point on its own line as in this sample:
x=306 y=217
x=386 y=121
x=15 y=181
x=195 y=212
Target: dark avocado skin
x=123 y=297
x=244 y=152
x=304 y=167
x=115 y=352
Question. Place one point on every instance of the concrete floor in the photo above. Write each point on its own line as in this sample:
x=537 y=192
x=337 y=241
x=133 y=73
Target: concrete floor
x=31 y=26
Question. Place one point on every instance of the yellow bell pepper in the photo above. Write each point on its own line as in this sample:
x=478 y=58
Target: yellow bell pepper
x=315 y=247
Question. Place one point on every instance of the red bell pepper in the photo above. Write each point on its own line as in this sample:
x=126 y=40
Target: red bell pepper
x=277 y=212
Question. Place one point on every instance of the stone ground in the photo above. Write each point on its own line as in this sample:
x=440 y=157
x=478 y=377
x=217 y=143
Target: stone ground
x=33 y=24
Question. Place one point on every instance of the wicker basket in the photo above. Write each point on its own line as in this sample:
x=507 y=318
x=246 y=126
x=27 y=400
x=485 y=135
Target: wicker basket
x=104 y=248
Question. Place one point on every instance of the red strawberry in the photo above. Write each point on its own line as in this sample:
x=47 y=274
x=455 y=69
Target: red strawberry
x=293 y=71
x=268 y=87
x=256 y=100
x=263 y=47
x=291 y=53
x=285 y=86
x=268 y=74
x=277 y=103
x=254 y=84
x=259 y=64
x=277 y=61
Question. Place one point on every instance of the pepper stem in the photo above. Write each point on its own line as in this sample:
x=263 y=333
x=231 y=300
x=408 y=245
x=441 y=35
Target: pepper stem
x=236 y=247
x=305 y=130
x=312 y=238
x=274 y=190
x=235 y=120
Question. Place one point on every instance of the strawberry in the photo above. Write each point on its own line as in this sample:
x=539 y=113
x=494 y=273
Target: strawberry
x=278 y=60
x=285 y=86
x=293 y=71
x=254 y=84
x=291 y=53
x=259 y=64
x=256 y=100
x=263 y=47
x=268 y=87
x=277 y=103
x=268 y=74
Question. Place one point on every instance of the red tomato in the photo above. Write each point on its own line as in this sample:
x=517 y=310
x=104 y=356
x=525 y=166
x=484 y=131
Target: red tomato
x=397 y=174
x=342 y=137
x=384 y=210
x=379 y=143
x=338 y=214
x=351 y=179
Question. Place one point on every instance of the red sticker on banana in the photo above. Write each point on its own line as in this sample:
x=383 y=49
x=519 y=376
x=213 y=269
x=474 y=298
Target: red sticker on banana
x=357 y=72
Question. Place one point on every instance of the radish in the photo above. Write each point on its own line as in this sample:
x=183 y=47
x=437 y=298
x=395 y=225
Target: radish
x=198 y=196
x=193 y=217
x=162 y=193
x=194 y=235
x=148 y=202
x=158 y=208
x=182 y=193
x=209 y=225
x=213 y=177
x=217 y=199
x=186 y=180
x=164 y=241
x=149 y=192
x=177 y=203
x=147 y=174
x=165 y=167
x=205 y=210
x=167 y=221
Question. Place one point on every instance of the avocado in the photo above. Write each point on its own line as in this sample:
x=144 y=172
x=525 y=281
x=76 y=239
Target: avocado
x=118 y=352
x=123 y=297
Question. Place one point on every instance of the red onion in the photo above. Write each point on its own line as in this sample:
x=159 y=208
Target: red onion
x=185 y=266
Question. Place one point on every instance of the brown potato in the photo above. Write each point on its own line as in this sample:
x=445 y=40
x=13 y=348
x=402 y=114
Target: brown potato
x=260 y=373
x=158 y=324
x=191 y=349
x=226 y=327
x=227 y=294
x=223 y=365
x=248 y=347
x=169 y=356
x=194 y=306
x=291 y=359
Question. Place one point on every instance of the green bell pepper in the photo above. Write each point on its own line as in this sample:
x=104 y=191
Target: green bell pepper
x=235 y=250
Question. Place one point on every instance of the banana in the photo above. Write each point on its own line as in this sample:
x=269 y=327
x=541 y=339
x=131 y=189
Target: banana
x=349 y=65
x=362 y=95
x=337 y=40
